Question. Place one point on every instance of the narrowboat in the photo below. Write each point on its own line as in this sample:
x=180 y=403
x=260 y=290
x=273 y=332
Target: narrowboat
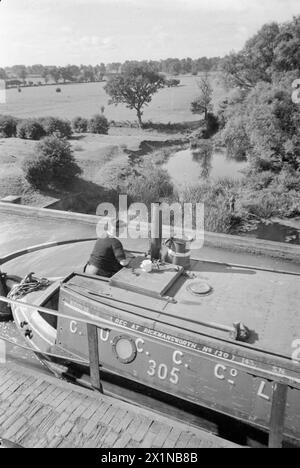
x=222 y=337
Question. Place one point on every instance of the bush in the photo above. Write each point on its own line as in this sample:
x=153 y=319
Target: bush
x=52 y=164
x=8 y=126
x=215 y=196
x=30 y=130
x=289 y=180
x=98 y=124
x=219 y=219
x=212 y=124
x=148 y=184
x=57 y=127
x=272 y=202
x=144 y=183
x=172 y=83
x=114 y=174
x=263 y=204
x=80 y=125
x=259 y=181
x=234 y=136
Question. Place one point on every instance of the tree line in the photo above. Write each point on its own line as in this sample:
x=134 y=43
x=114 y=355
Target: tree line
x=90 y=73
x=259 y=118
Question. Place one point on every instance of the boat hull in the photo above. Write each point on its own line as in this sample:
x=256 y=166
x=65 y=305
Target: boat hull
x=224 y=377
x=190 y=369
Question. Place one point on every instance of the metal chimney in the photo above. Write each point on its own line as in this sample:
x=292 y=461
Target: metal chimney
x=156 y=231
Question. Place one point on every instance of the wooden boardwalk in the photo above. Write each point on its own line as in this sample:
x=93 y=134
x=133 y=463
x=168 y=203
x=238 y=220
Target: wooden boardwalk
x=37 y=410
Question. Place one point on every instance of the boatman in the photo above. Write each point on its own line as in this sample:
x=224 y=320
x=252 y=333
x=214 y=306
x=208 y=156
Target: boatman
x=108 y=256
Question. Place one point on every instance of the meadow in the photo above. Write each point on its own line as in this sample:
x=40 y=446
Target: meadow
x=91 y=151
x=102 y=158
x=86 y=99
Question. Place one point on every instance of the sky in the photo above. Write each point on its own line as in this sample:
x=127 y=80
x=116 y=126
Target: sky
x=60 y=32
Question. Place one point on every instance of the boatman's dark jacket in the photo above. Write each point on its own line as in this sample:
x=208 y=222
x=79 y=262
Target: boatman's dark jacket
x=107 y=255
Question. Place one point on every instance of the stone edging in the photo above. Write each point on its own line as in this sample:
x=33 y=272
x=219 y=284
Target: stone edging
x=222 y=241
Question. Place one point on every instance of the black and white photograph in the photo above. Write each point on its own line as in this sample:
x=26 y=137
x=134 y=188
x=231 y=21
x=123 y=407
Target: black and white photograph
x=149 y=227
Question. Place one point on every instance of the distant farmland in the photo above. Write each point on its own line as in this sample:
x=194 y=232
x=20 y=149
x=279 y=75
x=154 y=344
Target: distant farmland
x=169 y=105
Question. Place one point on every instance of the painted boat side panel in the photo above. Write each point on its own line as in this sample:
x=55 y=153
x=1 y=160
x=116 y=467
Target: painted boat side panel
x=210 y=378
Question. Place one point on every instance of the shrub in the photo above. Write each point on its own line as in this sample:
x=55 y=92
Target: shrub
x=289 y=180
x=57 y=127
x=98 y=124
x=144 y=183
x=235 y=138
x=8 y=126
x=260 y=180
x=172 y=83
x=80 y=125
x=271 y=202
x=215 y=196
x=114 y=174
x=52 y=164
x=212 y=124
x=30 y=130
x=148 y=184
x=219 y=219
x=263 y=204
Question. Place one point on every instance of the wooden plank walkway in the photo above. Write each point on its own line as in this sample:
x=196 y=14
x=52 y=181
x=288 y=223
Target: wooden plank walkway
x=37 y=410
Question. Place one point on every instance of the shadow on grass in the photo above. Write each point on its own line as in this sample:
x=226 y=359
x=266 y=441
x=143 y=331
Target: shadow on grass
x=77 y=137
x=81 y=196
x=148 y=147
x=171 y=127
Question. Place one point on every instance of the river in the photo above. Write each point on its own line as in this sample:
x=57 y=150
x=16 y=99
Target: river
x=188 y=167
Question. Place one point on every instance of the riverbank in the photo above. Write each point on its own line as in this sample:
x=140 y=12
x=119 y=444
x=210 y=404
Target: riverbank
x=237 y=199
x=22 y=227
x=156 y=162
x=93 y=153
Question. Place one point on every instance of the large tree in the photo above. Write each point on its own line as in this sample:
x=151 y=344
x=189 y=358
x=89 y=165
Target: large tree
x=287 y=52
x=135 y=87
x=259 y=118
x=202 y=105
x=20 y=71
x=100 y=71
x=55 y=73
x=274 y=49
x=265 y=128
x=2 y=74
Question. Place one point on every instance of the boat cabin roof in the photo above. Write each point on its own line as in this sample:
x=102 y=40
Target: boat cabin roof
x=267 y=302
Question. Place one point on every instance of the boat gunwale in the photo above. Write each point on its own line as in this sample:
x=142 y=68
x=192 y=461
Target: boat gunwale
x=221 y=344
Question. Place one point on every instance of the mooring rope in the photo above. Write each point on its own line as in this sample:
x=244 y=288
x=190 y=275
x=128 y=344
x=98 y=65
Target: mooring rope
x=28 y=285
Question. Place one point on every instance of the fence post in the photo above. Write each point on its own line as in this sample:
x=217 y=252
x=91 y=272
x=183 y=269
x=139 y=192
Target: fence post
x=94 y=357
x=277 y=415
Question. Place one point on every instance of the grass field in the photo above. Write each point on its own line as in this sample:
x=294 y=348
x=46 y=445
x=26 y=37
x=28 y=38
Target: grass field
x=168 y=105
x=92 y=152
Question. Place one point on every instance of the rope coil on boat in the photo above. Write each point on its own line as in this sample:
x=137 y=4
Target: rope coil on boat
x=28 y=285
